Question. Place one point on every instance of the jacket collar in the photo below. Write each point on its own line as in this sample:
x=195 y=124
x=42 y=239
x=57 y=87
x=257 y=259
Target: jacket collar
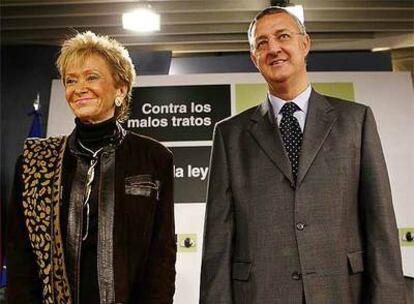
x=320 y=119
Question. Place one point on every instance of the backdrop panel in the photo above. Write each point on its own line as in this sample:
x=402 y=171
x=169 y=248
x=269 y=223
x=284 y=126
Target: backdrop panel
x=209 y=98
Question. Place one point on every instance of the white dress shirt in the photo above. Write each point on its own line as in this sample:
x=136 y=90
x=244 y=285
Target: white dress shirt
x=302 y=101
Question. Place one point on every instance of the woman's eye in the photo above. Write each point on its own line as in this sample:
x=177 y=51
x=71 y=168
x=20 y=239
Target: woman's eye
x=69 y=81
x=92 y=77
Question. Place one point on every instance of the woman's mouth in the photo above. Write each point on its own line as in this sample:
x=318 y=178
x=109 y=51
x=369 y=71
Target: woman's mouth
x=82 y=101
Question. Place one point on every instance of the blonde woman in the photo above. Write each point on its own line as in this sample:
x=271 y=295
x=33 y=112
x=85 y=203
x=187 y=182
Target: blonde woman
x=92 y=218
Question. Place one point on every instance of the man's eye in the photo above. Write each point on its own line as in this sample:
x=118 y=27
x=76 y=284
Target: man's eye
x=261 y=43
x=284 y=36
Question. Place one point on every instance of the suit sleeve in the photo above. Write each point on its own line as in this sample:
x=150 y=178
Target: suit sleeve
x=159 y=280
x=218 y=230
x=383 y=257
x=23 y=283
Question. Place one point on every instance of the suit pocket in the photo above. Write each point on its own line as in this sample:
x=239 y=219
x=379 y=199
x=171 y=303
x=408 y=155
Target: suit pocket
x=241 y=271
x=356 y=261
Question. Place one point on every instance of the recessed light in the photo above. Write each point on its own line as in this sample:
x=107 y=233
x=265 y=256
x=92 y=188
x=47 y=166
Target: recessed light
x=141 y=20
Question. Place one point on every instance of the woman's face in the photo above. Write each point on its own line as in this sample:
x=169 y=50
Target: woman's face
x=90 y=89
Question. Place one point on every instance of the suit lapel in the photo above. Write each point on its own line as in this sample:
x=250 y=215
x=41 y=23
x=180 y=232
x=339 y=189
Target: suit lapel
x=319 y=121
x=267 y=137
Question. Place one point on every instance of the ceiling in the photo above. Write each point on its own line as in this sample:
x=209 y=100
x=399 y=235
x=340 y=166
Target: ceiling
x=208 y=26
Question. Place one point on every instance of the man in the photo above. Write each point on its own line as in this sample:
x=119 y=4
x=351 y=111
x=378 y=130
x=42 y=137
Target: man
x=299 y=207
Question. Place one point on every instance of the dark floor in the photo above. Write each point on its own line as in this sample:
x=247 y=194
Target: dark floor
x=408 y=281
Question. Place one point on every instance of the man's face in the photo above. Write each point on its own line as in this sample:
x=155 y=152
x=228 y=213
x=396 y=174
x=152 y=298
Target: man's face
x=280 y=49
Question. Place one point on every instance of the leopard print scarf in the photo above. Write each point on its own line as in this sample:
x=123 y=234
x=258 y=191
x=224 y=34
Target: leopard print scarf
x=42 y=165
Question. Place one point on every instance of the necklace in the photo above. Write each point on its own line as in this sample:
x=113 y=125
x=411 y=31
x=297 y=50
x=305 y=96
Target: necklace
x=89 y=180
x=94 y=154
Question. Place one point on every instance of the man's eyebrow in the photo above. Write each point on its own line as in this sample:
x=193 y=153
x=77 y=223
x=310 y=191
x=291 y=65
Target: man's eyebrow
x=261 y=37
x=282 y=30
x=278 y=31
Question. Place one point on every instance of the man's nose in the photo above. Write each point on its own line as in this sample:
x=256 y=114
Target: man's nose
x=274 y=45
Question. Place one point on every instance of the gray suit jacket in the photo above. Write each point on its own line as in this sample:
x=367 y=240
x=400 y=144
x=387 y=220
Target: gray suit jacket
x=331 y=238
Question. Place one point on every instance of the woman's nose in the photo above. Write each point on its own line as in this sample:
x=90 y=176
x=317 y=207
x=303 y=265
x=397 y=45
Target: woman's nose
x=80 y=87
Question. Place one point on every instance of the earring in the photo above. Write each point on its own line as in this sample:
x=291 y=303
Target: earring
x=118 y=101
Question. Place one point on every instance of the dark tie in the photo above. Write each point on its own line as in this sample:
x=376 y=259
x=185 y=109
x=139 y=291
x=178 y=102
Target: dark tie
x=291 y=135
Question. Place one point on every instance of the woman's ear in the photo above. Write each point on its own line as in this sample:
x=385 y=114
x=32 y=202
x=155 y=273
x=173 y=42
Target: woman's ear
x=122 y=91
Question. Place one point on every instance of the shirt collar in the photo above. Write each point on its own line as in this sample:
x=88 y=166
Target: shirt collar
x=302 y=101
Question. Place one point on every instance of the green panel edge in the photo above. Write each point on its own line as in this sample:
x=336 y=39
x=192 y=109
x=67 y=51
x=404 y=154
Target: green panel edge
x=402 y=236
x=252 y=94
x=180 y=242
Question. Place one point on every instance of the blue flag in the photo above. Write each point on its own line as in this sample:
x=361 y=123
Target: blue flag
x=35 y=131
x=3 y=272
x=2 y=258
x=36 y=128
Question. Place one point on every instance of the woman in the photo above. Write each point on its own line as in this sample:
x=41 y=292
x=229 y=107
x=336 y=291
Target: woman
x=92 y=219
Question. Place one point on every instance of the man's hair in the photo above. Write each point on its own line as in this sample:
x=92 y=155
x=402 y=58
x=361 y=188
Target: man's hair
x=269 y=11
x=78 y=48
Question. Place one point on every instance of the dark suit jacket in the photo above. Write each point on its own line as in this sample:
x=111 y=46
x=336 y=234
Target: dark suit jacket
x=331 y=238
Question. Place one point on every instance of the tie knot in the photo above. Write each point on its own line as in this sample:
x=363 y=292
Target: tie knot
x=289 y=108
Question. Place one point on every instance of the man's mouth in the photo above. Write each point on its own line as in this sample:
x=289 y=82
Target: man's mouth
x=277 y=62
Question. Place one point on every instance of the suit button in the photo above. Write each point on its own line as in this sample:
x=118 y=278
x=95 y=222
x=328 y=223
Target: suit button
x=296 y=276
x=300 y=226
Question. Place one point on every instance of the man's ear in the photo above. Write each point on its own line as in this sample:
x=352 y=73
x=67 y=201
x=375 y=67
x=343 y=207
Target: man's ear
x=253 y=58
x=306 y=44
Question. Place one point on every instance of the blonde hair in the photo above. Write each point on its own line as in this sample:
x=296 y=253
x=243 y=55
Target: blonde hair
x=78 y=48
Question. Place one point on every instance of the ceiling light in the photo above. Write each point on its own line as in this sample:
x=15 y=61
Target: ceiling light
x=380 y=49
x=296 y=10
x=141 y=20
